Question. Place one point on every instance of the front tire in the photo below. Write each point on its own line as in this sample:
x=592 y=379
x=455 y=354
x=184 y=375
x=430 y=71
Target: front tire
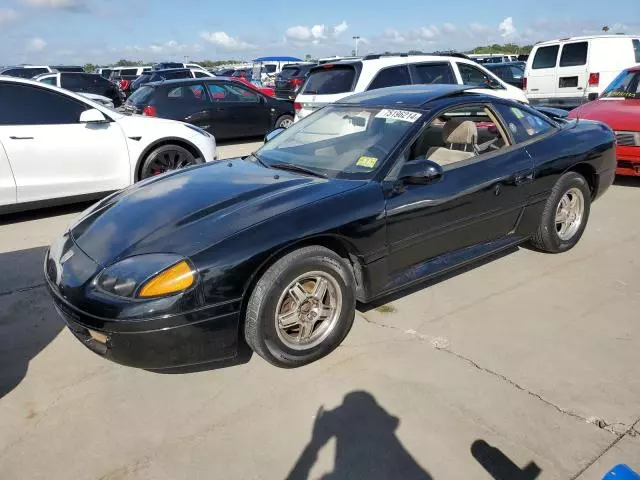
x=302 y=308
x=565 y=215
x=166 y=158
x=284 y=121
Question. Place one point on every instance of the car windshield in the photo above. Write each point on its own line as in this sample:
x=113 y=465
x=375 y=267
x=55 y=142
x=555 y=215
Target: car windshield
x=340 y=141
x=625 y=85
x=141 y=96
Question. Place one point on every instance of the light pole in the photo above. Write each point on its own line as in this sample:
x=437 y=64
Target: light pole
x=357 y=39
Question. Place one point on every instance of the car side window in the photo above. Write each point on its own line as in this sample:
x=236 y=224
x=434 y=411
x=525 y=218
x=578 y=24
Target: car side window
x=574 y=54
x=226 y=92
x=546 y=57
x=636 y=49
x=50 y=81
x=440 y=72
x=391 y=77
x=459 y=134
x=200 y=74
x=523 y=124
x=188 y=93
x=473 y=76
x=28 y=105
x=71 y=81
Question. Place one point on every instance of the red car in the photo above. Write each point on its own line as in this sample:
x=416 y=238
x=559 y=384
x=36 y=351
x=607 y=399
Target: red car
x=619 y=107
x=269 y=92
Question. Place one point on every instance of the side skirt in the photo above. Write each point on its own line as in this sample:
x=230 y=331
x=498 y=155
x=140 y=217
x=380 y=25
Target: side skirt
x=446 y=263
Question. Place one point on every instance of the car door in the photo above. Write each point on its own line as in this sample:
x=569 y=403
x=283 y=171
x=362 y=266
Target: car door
x=475 y=200
x=541 y=74
x=7 y=182
x=187 y=103
x=238 y=111
x=51 y=153
x=572 y=71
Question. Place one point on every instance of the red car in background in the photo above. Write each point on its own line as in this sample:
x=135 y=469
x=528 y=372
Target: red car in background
x=269 y=92
x=619 y=107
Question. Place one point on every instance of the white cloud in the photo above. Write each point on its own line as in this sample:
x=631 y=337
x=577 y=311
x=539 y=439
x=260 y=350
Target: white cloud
x=74 y=5
x=226 y=42
x=8 y=15
x=479 y=29
x=316 y=34
x=507 y=29
x=416 y=36
x=394 y=37
x=449 y=28
x=170 y=47
x=36 y=44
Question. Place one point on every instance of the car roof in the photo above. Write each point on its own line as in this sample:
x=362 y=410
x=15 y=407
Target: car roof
x=584 y=37
x=415 y=96
x=166 y=70
x=188 y=81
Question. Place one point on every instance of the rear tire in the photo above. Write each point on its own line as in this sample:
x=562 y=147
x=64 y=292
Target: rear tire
x=565 y=215
x=166 y=158
x=302 y=308
x=285 y=121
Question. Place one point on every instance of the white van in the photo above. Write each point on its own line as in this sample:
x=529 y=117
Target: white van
x=331 y=82
x=567 y=72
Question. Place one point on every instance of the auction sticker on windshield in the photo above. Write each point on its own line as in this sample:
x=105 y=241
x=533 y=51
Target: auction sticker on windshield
x=403 y=115
x=368 y=162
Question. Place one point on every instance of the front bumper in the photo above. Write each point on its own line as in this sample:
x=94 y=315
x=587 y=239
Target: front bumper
x=152 y=340
x=628 y=161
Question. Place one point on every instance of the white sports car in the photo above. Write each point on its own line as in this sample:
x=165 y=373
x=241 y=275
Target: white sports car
x=59 y=147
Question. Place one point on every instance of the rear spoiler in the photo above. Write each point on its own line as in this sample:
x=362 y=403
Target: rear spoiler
x=555 y=113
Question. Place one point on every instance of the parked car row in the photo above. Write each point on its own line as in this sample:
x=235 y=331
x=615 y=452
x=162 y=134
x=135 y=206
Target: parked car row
x=57 y=146
x=91 y=85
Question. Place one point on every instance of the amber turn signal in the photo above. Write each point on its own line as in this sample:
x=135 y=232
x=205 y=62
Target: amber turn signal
x=174 y=279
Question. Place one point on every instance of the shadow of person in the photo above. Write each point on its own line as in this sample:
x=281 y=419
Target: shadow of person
x=366 y=444
x=28 y=320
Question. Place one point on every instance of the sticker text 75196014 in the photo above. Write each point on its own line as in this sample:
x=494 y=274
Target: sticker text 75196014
x=402 y=115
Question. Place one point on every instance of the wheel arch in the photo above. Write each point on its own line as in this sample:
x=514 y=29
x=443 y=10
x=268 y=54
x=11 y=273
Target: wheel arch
x=337 y=244
x=181 y=142
x=589 y=173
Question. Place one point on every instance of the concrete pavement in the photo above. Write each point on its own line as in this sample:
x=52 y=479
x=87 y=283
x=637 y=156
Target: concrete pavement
x=522 y=367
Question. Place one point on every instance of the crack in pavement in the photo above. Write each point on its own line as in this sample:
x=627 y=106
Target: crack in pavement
x=22 y=289
x=631 y=431
x=443 y=344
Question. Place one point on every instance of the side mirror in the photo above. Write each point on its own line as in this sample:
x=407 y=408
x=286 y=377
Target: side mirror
x=92 y=116
x=420 y=172
x=273 y=134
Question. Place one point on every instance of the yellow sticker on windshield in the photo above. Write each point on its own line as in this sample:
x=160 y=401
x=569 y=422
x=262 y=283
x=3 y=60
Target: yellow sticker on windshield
x=369 y=162
x=517 y=112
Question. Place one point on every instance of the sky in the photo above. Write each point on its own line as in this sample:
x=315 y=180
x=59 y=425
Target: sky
x=103 y=31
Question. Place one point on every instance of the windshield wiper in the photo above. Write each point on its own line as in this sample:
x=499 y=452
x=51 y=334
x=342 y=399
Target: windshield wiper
x=297 y=168
x=260 y=161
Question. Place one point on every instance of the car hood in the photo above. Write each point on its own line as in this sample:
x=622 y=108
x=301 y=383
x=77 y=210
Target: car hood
x=619 y=114
x=186 y=211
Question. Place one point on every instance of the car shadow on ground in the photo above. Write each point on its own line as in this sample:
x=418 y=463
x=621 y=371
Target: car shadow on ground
x=626 y=181
x=28 y=321
x=42 y=213
x=423 y=284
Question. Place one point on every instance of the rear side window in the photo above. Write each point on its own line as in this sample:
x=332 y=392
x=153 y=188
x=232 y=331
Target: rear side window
x=177 y=74
x=546 y=57
x=289 y=72
x=189 y=93
x=636 y=49
x=391 y=77
x=228 y=92
x=49 y=81
x=574 y=54
x=26 y=105
x=330 y=80
x=522 y=123
x=75 y=81
x=473 y=76
x=142 y=96
x=129 y=72
x=434 y=73
x=199 y=74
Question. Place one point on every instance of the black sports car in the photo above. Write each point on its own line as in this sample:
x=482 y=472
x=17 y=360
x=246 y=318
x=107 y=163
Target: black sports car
x=360 y=199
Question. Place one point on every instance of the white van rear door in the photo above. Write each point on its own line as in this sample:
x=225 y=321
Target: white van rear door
x=572 y=71
x=541 y=73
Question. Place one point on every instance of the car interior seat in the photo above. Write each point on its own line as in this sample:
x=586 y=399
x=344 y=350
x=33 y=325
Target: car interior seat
x=460 y=139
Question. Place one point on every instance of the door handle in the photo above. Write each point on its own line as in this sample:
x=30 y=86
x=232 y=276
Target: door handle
x=20 y=138
x=521 y=178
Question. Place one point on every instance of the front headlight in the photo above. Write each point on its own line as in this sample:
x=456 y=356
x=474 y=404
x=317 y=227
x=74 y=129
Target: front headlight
x=147 y=276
